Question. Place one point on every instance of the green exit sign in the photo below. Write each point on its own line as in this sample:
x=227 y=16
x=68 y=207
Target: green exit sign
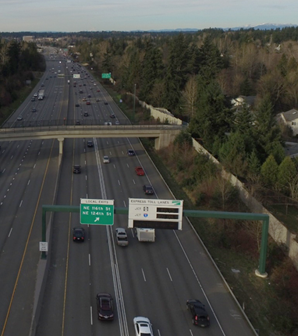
x=97 y=211
x=106 y=75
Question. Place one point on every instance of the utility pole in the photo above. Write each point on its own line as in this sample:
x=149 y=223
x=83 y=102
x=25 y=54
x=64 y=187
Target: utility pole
x=134 y=102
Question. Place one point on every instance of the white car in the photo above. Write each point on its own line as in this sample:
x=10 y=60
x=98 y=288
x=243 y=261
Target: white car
x=108 y=123
x=106 y=159
x=143 y=326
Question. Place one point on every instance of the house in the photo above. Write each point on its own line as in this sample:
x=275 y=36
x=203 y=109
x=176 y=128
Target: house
x=290 y=118
x=240 y=101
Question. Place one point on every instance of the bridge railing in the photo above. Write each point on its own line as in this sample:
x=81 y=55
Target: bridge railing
x=42 y=125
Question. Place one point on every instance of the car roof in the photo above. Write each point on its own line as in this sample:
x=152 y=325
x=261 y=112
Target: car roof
x=144 y=324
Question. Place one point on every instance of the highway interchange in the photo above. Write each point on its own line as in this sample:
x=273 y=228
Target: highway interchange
x=147 y=279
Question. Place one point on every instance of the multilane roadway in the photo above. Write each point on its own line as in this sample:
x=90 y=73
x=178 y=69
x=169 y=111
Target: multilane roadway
x=152 y=280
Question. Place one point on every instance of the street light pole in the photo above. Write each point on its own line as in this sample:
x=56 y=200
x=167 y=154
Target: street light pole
x=134 y=101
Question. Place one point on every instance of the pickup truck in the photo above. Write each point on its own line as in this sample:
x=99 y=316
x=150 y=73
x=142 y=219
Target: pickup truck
x=139 y=171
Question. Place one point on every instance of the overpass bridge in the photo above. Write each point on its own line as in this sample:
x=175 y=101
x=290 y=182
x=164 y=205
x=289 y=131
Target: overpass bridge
x=19 y=130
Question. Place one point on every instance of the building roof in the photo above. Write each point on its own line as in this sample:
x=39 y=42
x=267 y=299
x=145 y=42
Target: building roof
x=290 y=115
x=241 y=100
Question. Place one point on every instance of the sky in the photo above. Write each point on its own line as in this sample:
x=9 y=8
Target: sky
x=127 y=15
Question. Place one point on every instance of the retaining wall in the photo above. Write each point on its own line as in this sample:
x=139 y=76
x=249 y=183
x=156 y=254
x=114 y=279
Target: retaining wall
x=276 y=229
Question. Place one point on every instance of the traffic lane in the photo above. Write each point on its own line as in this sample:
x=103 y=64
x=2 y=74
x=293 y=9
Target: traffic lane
x=78 y=277
x=100 y=252
x=26 y=225
x=16 y=175
x=77 y=306
x=227 y=311
x=51 y=320
x=138 y=307
x=153 y=271
x=105 y=272
x=167 y=197
x=103 y=279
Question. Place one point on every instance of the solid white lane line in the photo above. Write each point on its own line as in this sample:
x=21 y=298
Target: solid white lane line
x=143 y=274
x=91 y=318
x=169 y=274
x=10 y=232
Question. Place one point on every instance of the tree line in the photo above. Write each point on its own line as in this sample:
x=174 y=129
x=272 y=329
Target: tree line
x=18 y=61
x=196 y=75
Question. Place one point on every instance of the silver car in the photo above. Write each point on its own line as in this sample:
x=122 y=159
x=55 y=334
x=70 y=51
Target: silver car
x=121 y=237
x=142 y=326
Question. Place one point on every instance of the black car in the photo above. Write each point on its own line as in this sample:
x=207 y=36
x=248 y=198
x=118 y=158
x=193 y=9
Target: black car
x=106 y=103
x=77 y=105
x=78 y=234
x=105 y=309
x=34 y=109
x=77 y=169
x=78 y=122
x=90 y=143
x=198 y=313
x=148 y=190
x=131 y=152
x=86 y=114
x=33 y=99
x=112 y=116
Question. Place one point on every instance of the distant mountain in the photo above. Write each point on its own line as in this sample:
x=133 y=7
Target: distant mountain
x=265 y=26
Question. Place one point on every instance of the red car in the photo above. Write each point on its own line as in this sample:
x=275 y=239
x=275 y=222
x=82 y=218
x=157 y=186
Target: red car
x=88 y=103
x=140 y=171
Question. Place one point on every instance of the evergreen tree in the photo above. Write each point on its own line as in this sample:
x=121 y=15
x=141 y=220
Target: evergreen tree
x=266 y=132
x=233 y=154
x=269 y=172
x=211 y=118
x=176 y=73
x=13 y=54
x=210 y=60
x=286 y=174
x=152 y=71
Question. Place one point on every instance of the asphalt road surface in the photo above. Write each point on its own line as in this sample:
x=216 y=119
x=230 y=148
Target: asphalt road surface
x=145 y=279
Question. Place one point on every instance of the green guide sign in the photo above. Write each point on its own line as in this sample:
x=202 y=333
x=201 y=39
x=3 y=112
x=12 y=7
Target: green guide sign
x=97 y=211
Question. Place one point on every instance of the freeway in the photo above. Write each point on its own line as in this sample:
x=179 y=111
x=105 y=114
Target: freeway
x=152 y=280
